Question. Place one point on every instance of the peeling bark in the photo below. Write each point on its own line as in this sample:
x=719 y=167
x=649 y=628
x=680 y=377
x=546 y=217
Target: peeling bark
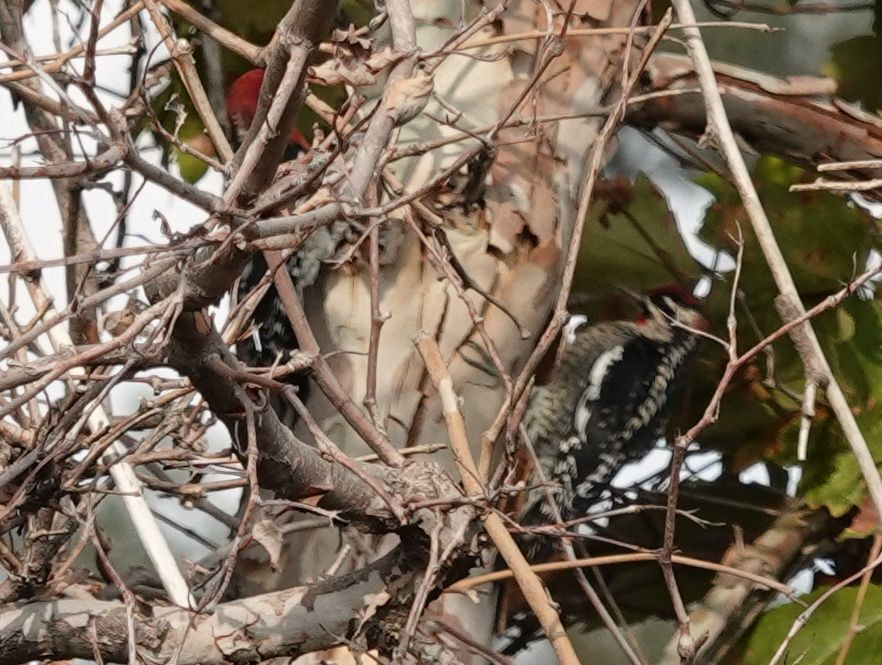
x=799 y=118
x=513 y=244
x=283 y=623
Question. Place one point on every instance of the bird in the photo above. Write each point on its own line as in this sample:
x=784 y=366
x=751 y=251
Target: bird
x=271 y=339
x=607 y=404
x=609 y=399
x=241 y=107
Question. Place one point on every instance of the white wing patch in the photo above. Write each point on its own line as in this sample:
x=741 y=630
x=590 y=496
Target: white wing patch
x=575 y=322
x=595 y=383
x=583 y=414
x=255 y=338
x=599 y=369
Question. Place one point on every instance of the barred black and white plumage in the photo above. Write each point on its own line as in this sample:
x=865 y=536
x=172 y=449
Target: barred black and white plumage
x=272 y=338
x=608 y=402
x=607 y=405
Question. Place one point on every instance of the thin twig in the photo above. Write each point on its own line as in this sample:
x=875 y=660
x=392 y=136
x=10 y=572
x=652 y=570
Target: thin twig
x=601 y=32
x=613 y=559
x=186 y=67
x=531 y=586
x=807 y=613
x=378 y=318
x=626 y=642
x=323 y=373
x=123 y=475
x=854 y=626
x=230 y=40
x=721 y=133
x=822 y=185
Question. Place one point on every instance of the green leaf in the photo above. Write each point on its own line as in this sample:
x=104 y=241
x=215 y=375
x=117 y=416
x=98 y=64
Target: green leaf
x=256 y=23
x=834 y=482
x=631 y=240
x=192 y=168
x=856 y=66
x=825 y=241
x=831 y=477
x=845 y=325
x=820 y=640
x=822 y=237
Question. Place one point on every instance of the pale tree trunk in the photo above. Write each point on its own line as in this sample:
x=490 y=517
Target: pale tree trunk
x=514 y=244
x=507 y=215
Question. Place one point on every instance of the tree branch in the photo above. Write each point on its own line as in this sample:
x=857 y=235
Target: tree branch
x=284 y=623
x=720 y=131
x=797 y=119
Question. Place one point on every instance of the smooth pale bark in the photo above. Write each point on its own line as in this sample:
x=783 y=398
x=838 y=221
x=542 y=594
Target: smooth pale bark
x=283 y=623
x=514 y=245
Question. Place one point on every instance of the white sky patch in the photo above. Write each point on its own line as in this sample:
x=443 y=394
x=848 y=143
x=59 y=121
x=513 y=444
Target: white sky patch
x=687 y=201
x=755 y=473
x=874 y=208
x=804 y=581
x=41 y=218
x=657 y=460
x=794 y=475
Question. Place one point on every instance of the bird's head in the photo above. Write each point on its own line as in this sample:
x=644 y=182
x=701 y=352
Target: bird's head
x=672 y=302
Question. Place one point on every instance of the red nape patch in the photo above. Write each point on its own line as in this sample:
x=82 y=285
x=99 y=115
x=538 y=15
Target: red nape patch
x=241 y=105
x=676 y=292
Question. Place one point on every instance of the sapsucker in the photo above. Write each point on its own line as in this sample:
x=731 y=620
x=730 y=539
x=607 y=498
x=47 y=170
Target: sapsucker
x=272 y=336
x=606 y=405
x=608 y=402
x=272 y=339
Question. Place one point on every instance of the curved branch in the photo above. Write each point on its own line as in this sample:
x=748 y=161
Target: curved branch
x=287 y=465
x=796 y=118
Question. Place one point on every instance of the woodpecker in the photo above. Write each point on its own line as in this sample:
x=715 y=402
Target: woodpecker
x=608 y=402
x=606 y=405
x=272 y=339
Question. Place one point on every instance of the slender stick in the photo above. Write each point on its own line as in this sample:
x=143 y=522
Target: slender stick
x=183 y=60
x=806 y=614
x=326 y=378
x=613 y=559
x=531 y=586
x=854 y=626
x=600 y=32
x=377 y=321
x=232 y=41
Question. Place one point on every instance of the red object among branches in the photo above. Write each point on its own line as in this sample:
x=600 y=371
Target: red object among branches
x=242 y=101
